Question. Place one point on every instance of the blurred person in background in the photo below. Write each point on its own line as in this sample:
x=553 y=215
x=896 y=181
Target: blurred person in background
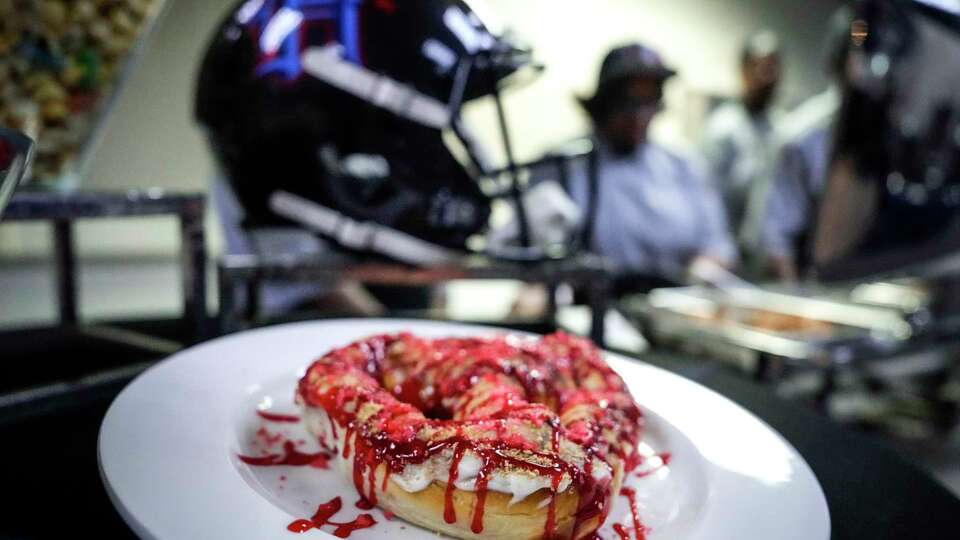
x=799 y=173
x=655 y=212
x=739 y=141
x=649 y=211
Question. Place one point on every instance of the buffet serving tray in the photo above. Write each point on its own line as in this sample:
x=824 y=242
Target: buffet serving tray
x=740 y=324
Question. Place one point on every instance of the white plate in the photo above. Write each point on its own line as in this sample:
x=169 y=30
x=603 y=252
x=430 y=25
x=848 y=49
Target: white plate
x=169 y=444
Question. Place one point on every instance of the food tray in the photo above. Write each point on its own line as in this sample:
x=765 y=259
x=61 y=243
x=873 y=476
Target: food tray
x=740 y=325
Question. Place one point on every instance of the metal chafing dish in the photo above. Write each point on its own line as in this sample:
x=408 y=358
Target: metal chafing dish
x=814 y=327
x=907 y=295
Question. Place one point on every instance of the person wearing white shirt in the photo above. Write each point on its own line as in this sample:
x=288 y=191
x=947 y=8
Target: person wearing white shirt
x=739 y=140
x=799 y=179
x=650 y=211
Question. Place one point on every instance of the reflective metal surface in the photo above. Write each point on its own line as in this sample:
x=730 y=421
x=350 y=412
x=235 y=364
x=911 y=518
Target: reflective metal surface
x=62 y=209
x=741 y=325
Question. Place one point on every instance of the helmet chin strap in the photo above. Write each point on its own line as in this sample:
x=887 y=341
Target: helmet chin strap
x=465 y=65
x=361 y=235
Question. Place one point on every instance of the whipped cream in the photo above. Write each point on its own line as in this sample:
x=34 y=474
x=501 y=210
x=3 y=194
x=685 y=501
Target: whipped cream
x=418 y=476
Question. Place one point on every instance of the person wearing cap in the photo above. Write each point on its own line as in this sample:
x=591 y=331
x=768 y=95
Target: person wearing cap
x=739 y=141
x=650 y=211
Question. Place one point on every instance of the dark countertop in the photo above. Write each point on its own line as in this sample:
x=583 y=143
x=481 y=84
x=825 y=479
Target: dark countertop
x=872 y=492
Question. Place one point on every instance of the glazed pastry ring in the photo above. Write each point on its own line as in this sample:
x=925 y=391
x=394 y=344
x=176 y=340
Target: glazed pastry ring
x=477 y=438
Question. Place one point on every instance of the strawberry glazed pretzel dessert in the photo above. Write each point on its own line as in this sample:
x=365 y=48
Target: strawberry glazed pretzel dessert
x=477 y=438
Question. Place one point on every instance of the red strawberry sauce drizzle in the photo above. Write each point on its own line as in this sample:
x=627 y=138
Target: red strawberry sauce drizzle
x=281 y=418
x=664 y=462
x=322 y=517
x=449 y=513
x=638 y=527
x=621 y=531
x=547 y=372
x=290 y=456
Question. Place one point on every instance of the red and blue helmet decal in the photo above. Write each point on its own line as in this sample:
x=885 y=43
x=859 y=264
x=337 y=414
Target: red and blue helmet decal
x=282 y=29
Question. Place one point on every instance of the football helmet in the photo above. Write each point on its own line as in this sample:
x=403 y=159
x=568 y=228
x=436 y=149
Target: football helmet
x=339 y=115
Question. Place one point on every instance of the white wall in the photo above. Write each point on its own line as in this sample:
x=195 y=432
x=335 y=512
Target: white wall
x=151 y=141
x=699 y=38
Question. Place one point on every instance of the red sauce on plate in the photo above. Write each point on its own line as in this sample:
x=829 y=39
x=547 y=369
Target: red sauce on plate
x=665 y=461
x=322 y=517
x=290 y=456
x=268 y=439
x=274 y=417
x=638 y=527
